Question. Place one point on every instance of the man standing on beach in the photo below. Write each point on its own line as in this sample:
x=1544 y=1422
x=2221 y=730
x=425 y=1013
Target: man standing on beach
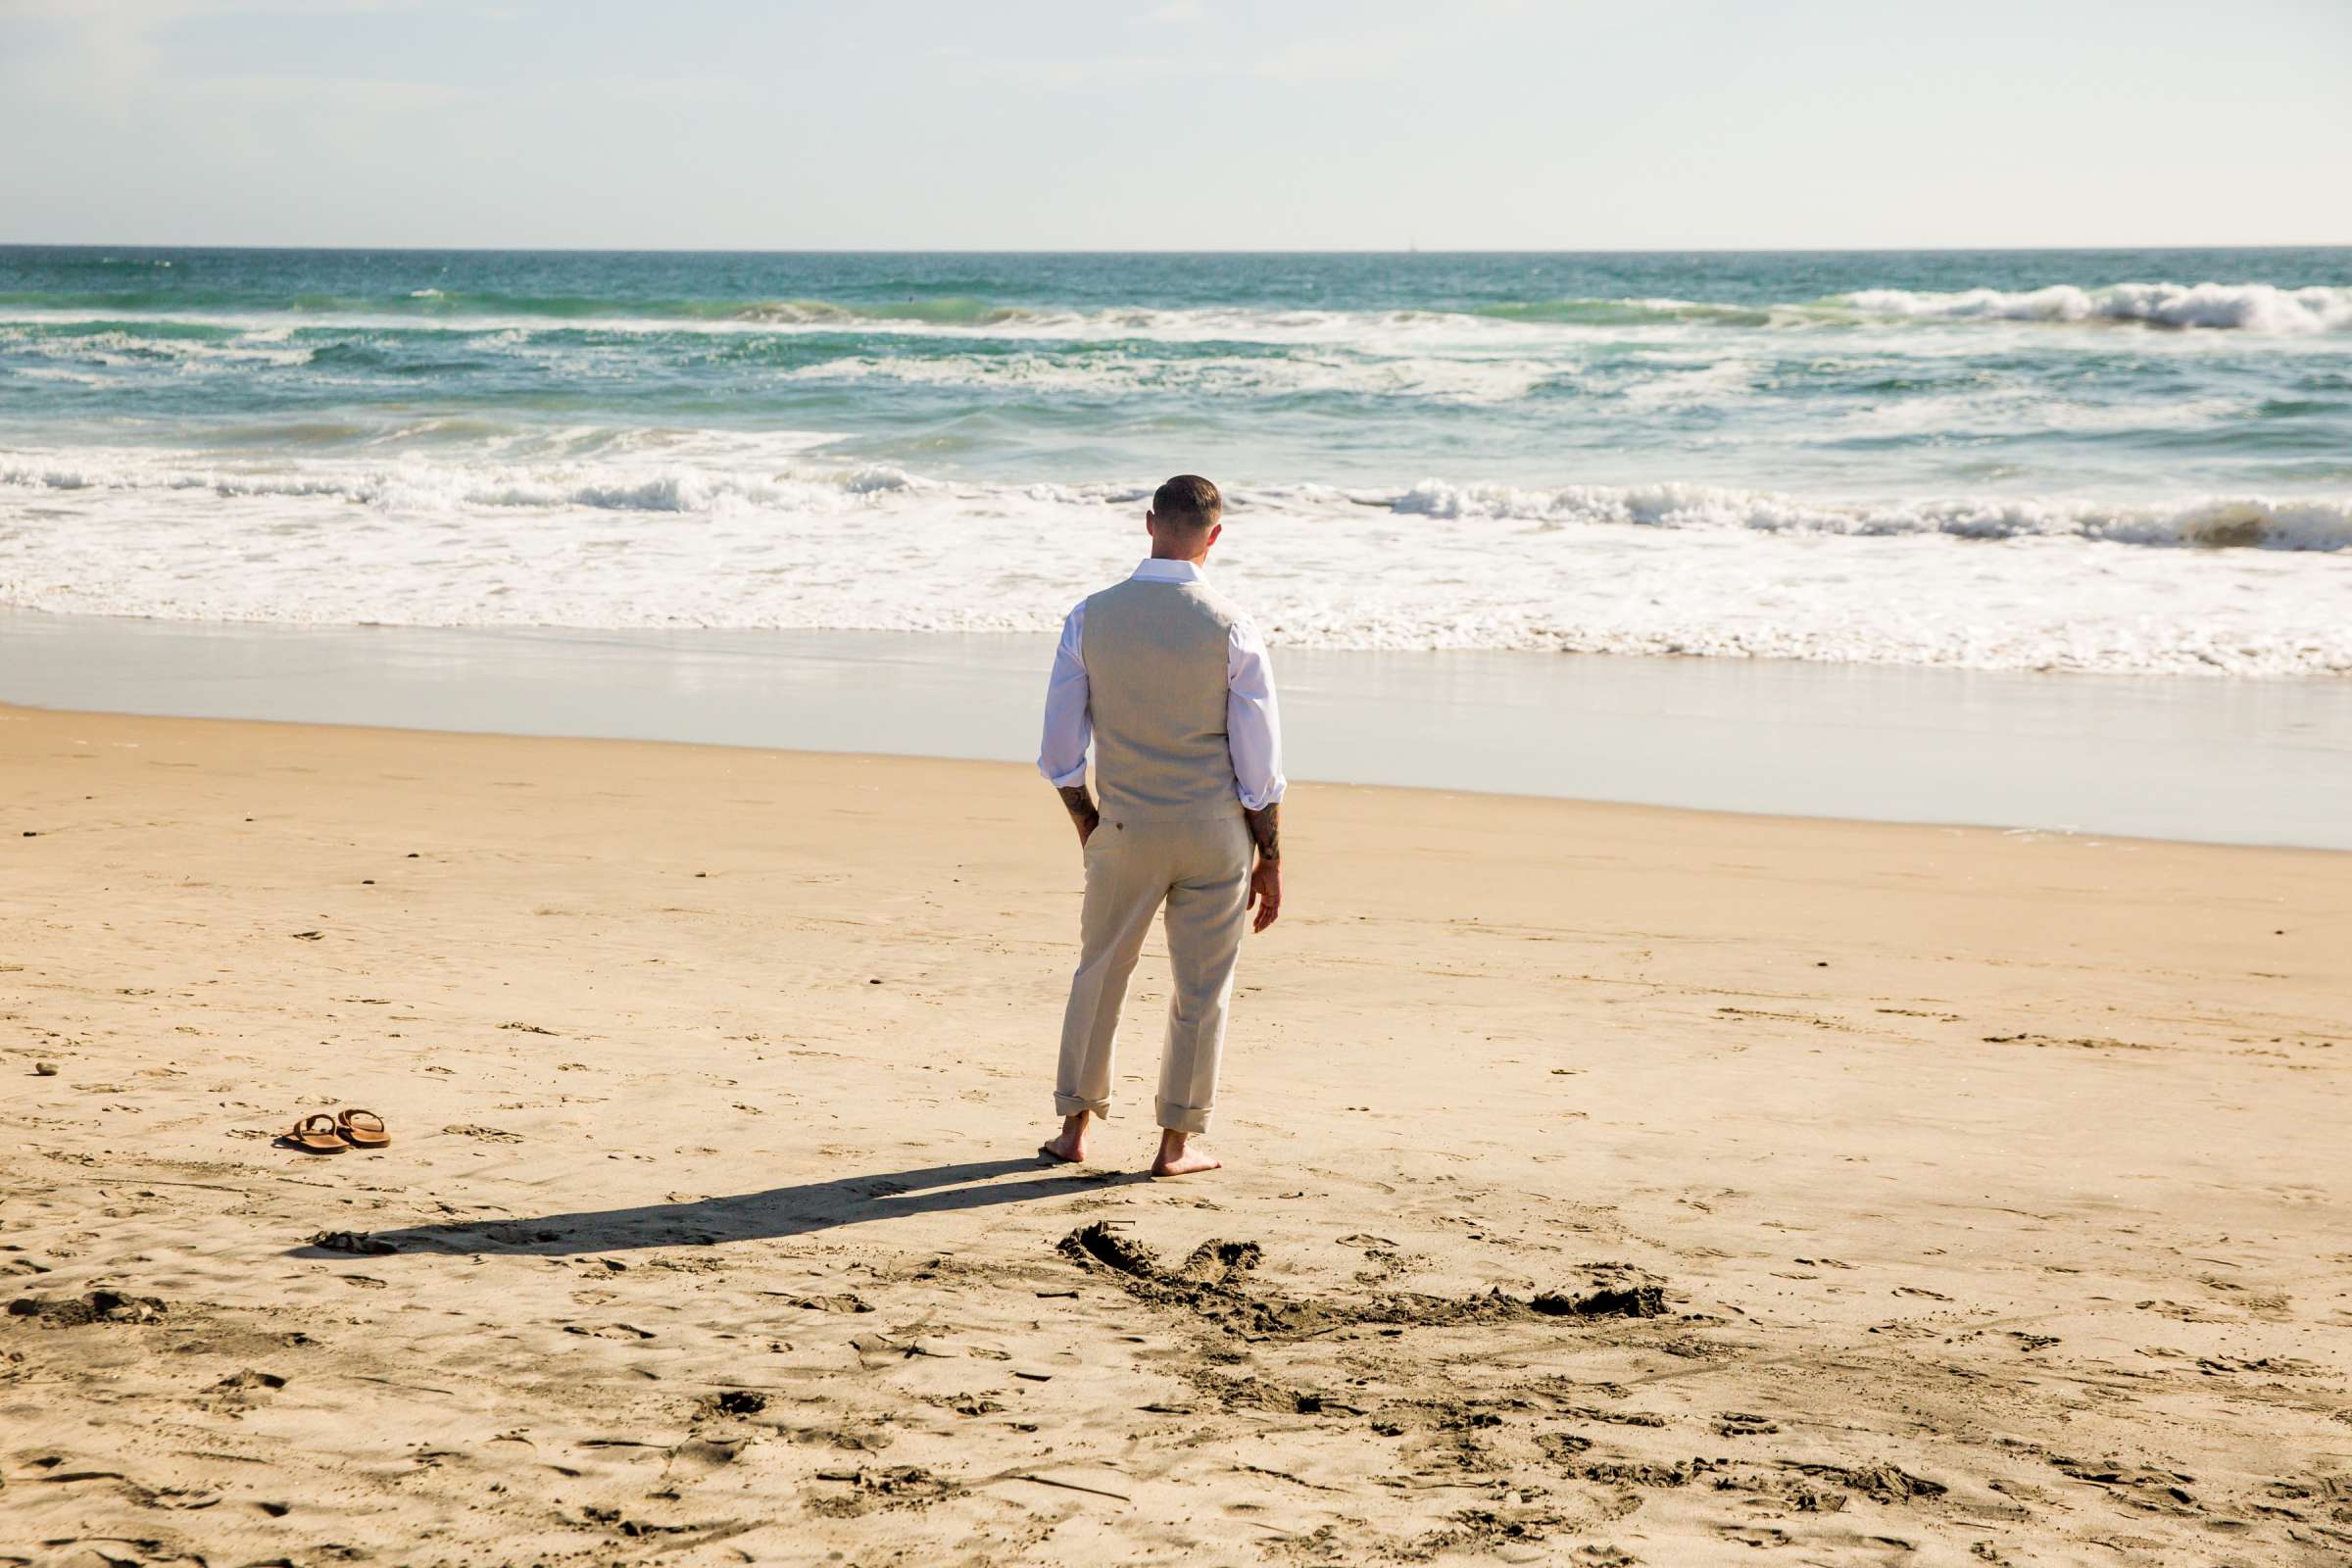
x=1169 y=682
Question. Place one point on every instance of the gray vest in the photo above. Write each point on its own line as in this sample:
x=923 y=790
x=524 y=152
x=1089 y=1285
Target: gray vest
x=1156 y=655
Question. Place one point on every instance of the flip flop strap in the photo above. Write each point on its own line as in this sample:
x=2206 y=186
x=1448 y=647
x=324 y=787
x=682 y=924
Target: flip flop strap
x=352 y=1118
x=320 y=1121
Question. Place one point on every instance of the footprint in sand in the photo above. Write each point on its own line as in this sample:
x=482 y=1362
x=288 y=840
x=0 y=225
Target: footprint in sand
x=488 y=1134
x=98 y=1307
x=1739 y=1423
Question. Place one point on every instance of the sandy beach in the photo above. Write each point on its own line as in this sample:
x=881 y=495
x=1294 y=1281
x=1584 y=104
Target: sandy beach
x=1605 y=1184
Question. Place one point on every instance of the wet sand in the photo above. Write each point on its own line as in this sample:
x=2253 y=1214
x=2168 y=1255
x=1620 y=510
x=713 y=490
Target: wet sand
x=2205 y=761
x=1606 y=1185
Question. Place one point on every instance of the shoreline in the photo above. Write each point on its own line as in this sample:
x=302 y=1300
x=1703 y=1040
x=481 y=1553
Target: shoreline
x=1425 y=796
x=1428 y=796
x=2194 y=760
x=1984 y=1180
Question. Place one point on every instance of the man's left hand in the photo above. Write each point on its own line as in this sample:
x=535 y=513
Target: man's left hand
x=1085 y=816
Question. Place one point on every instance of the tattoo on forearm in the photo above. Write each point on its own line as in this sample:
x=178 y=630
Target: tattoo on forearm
x=1080 y=805
x=1265 y=826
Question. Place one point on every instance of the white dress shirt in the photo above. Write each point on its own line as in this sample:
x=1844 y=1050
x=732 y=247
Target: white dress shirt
x=1253 y=728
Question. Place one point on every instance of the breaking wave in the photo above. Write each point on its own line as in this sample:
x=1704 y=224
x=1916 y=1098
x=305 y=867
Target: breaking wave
x=2260 y=308
x=2214 y=522
x=712 y=539
x=2224 y=307
x=2220 y=307
x=2209 y=523
x=418 y=488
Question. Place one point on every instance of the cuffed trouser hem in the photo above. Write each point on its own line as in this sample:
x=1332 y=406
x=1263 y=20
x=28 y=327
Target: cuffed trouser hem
x=1183 y=1118
x=1072 y=1104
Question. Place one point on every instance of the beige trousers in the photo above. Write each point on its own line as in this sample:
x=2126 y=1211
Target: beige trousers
x=1200 y=870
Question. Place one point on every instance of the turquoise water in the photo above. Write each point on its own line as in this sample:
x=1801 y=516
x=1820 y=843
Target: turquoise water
x=1763 y=371
x=459 y=437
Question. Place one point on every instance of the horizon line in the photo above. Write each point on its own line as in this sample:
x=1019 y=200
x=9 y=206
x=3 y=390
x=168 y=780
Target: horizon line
x=964 y=250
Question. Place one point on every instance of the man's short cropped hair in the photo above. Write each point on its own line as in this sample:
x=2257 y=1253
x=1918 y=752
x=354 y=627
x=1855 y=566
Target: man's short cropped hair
x=1187 y=501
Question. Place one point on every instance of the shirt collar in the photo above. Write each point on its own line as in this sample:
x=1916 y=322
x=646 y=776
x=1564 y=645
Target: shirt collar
x=1157 y=571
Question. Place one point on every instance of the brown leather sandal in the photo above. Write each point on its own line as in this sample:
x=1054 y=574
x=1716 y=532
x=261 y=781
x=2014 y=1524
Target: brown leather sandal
x=315 y=1134
x=363 y=1129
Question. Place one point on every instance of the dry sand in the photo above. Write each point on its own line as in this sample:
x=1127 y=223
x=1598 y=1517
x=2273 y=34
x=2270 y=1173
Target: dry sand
x=1989 y=1193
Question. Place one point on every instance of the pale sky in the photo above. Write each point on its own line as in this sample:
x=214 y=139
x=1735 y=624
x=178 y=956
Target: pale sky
x=1176 y=124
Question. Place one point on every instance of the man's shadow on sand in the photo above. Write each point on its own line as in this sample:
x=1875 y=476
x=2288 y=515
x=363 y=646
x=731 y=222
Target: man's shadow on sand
x=751 y=1216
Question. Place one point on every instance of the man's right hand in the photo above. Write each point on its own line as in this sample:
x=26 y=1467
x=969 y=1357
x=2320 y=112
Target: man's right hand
x=1265 y=878
x=1265 y=892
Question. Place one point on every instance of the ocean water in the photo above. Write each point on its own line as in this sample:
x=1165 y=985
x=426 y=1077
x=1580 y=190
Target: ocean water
x=2128 y=460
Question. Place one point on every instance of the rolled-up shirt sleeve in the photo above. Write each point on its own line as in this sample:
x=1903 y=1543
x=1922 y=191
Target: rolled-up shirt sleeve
x=1253 y=725
x=1069 y=727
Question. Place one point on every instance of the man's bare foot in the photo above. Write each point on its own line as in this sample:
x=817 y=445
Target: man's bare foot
x=1175 y=1159
x=1069 y=1145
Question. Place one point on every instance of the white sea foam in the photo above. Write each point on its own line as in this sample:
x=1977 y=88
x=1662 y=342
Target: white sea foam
x=124 y=348
x=1170 y=325
x=1477 y=379
x=2255 y=308
x=692 y=533
x=2204 y=523
x=1696 y=381
x=2242 y=307
x=2024 y=410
